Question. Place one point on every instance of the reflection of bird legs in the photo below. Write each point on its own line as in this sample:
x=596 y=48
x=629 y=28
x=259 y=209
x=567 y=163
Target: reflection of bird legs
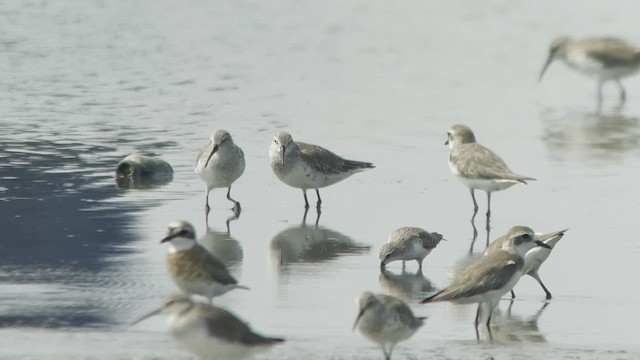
x=304 y=217
x=488 y=228
x=236 y=215
x=534 y=318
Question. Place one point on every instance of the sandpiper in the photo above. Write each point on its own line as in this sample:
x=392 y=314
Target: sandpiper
x=306 y=166
x=495 y=274
x=385 y=320
x=534 y=257
x=408 y=243
x=478 y=167
x=210 y=331
x=605 y=58
x=219 y=164
x=192 y=267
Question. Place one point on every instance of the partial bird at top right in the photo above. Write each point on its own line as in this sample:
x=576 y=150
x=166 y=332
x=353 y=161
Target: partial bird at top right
x=605 y=58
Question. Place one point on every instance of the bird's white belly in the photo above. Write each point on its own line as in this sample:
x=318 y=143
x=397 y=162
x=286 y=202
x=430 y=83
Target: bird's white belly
x=302 y=176
x=594 y=68
x=488 y=185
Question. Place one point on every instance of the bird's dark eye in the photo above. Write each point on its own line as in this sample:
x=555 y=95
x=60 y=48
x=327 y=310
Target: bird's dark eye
x=526 y=236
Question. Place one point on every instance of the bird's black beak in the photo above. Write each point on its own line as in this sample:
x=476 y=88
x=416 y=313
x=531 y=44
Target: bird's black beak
x=546 y=65
x=282 y=148
x=215 y=148
x=153 y=313
x=170 y=237
x=540 y=243
x=446 y=142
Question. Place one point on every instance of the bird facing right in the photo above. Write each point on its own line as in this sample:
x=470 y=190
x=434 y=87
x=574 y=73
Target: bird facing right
x=478 y=167
x=209 y=331
x=605 y=58
x=305 y=166
x=495 y=274
x=385 y=320
x=408 y=243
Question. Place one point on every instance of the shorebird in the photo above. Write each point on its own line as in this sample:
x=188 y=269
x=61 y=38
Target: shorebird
x=408 y=243
x=534 y=257
x=385 y=320
x=210 y=331
x=605 y=58
x=306 y=166
x=192 y=267
x=478 y=167
x=495 y=274
x=219 y=164
x=139 y=171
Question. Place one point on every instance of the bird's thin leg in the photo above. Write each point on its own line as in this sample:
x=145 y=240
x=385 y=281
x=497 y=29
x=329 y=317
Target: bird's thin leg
x=537 y=277
x=513 y=295
x=318 y=213
x=306 y=202
x=319 y=203
x=623 y=94
x=387 y=356
x=236 y=204
x=476 y=322
x=475 y=203
x=390 y=351
x=304 y=217
x=206 y=202
x=489 y=324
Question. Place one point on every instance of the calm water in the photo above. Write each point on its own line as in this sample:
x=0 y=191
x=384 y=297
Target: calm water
x=86 y=83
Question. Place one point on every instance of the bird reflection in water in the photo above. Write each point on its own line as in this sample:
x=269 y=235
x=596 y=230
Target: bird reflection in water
x=223 y=245
x=508 y=327
x=303 y=243
x=589 y=136
x=406 y=285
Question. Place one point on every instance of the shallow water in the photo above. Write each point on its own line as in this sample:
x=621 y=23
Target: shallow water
x=87 y=83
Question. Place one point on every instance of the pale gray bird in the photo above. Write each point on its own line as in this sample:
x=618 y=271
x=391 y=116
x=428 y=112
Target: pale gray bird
x=219 y=165
x=478 y=167
x=305 y=166
x=385 y=320
x=192 y=267
x=534 y=257
x=495 y=274
x=209 y=331
x=604 y=58
x=408 y=243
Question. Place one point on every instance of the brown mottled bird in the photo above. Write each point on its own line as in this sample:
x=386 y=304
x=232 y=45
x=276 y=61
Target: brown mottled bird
x=192 y=267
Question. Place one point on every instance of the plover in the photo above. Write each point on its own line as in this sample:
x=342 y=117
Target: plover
x=385 y=320
x=534 y=257
x=495 y=274
x=605 y=58
x=408 y=243
x=478 y=167
x=209 y=331
x=219 y=164
x=192 y=267
x=306 y=166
